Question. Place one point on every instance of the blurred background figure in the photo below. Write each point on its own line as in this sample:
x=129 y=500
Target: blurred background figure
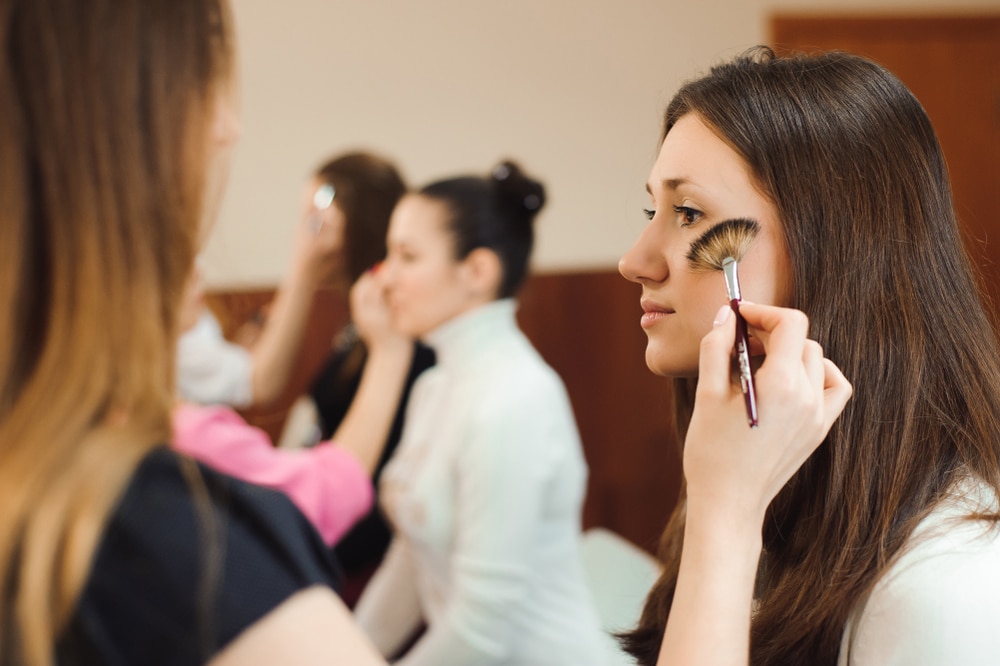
x=366 y=189
x=345 y=216
x=330 y=482
x=345 y=212
x=487 y=487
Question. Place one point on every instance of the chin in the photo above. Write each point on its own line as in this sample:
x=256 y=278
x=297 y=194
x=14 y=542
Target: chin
x=408 y=326
x=668 y=365
x=402 y=326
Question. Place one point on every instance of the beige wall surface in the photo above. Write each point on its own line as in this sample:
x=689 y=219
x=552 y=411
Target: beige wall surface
x=571 y=89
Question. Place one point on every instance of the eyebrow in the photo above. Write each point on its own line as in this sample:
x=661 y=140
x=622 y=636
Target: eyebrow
x=669 y=183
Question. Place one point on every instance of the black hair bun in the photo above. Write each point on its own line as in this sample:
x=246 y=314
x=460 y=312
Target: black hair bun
x=518 y=189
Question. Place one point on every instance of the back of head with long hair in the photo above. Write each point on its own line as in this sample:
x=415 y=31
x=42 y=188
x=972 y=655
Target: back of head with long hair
x=105 y=110
x=496 y=212
x=851 y=162
x=367 y=188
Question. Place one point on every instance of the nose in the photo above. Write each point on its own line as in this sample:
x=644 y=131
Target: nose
x=228 y=126
x=645 y=261
x=385 y=272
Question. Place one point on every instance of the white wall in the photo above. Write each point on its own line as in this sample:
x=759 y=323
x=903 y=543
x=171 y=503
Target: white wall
x=573 y=89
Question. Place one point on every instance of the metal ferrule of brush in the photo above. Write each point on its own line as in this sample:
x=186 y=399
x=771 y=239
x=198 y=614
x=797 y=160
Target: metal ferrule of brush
x=732 y=282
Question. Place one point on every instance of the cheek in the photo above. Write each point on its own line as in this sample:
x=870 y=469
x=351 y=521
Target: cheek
x=763 y=289
x=765 y=277
x=417 y=284
x=673 y=348
x=414 y=290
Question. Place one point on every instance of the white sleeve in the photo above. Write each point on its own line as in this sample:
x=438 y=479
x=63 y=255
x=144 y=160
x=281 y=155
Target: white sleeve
x=210 y=369
x=389 y=608
x=939 y=608
x=503 y=474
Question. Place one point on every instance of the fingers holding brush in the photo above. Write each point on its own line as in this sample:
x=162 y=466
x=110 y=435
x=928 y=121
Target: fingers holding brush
x=783 y=333
x=799 y=395
x=807 y=388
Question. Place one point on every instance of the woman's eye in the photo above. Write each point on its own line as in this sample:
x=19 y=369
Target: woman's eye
x=648 y=213
x=399 y=255
x=690 y=215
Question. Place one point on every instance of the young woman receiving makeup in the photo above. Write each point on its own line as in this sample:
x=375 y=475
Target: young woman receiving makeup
x=845 y=529
x=486 y=488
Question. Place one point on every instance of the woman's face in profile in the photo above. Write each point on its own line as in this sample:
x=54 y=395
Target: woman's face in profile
x=193 y=300
x=697 y=182
x=224 y=132
x=425 y=285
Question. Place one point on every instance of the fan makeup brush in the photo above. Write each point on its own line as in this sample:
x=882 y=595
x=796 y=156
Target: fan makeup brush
x=720 y=249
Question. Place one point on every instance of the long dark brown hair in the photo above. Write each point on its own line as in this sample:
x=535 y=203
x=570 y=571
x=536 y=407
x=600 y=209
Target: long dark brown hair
x=106 y=111
x=849 y=158
x=367 y=187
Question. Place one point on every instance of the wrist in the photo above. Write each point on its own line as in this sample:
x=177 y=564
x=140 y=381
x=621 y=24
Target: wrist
x=305 y=273
x=712 y=519
x=390 y=347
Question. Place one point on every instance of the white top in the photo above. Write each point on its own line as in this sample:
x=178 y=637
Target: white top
x=939 y=605
x=485 y=492
x=210 y=369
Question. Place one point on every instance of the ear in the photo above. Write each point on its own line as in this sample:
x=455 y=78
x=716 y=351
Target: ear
x=483 y=271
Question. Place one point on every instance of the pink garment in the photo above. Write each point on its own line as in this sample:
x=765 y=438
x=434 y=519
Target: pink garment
x=328 y=483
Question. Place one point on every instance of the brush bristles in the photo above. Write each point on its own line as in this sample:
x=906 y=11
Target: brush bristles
x=731 y=238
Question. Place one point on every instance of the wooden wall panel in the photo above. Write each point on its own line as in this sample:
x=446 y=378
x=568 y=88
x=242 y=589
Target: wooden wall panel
x=951 y=63
x=586 y=325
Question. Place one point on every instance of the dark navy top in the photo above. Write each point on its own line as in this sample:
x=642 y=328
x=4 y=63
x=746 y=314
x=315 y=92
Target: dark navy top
x=182 y=570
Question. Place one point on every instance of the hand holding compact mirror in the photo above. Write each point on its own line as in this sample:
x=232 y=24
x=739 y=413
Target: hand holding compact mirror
x=322 y=200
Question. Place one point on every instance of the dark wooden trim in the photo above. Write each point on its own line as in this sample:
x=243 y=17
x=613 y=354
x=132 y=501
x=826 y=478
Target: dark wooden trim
x=878 y=25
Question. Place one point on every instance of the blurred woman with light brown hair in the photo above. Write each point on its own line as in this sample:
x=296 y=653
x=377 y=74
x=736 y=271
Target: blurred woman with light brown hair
x=115 y=120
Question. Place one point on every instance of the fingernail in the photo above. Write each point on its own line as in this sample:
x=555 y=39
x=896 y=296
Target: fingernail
x=722 y=315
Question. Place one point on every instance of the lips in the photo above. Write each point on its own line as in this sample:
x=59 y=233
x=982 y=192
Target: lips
x=653 y=313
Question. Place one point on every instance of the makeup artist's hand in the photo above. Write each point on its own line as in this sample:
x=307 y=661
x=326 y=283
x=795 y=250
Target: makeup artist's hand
x=370 y=314
x=730 y=467
x=319 y=241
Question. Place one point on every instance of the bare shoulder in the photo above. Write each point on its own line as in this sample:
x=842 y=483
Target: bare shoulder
x=310 y=627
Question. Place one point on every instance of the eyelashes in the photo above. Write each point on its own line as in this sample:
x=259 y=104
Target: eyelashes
x=690 y=215
x=729 y=238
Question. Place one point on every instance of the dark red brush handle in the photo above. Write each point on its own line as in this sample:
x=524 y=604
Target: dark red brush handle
x=743 y=364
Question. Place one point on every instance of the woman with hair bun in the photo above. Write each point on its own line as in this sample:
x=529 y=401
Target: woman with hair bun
x=486 y=488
